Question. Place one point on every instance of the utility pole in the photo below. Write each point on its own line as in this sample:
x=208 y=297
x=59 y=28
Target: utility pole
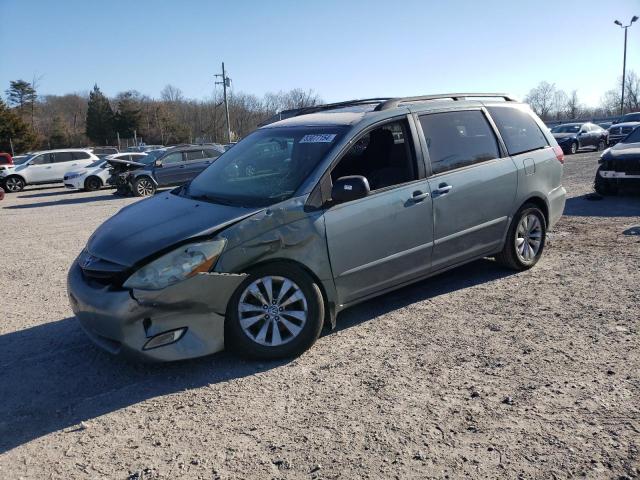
x=226 y=82
x=624 y=61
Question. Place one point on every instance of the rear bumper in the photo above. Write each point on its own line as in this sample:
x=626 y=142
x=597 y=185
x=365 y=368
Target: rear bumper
x=123 y=321
x=557 y=199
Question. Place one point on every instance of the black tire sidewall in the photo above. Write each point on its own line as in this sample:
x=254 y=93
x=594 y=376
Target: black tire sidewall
x=237 y=339
x=92 y=183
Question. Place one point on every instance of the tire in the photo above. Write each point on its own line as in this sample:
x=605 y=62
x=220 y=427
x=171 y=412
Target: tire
x=601 y=145
x=604 y=186
x=143 y=187
x=573 y=149
x=92 y=184
x=527 y=234
x=14 y=184
x=252 y=333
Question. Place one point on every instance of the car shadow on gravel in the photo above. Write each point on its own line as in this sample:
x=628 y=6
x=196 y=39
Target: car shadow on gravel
x=593 y=205
x=51 y=194
x=66 y=201
x=465 y=276
x=52 y=378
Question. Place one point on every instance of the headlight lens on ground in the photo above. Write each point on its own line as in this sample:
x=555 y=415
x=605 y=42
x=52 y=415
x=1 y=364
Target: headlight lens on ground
x=176 y=266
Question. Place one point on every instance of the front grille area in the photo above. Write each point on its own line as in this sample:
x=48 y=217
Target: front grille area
x=99 y=271
x=630 y=167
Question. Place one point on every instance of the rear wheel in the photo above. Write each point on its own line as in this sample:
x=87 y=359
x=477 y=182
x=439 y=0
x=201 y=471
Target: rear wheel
x=92 y=183
x=604 y=186
x=276 y=312
x=14 y=184
x=143 y=187
x=601 y=146
x=525 y=239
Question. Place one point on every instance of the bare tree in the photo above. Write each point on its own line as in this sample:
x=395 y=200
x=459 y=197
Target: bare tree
x=573 y=108
x=541 y=99
x=171 y=94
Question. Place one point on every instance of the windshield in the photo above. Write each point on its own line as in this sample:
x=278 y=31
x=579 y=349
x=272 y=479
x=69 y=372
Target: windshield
x=266 y=167
x=97 y=163
x=631 y=117
x=566 y=129
x=21 y=159
x=150 y=157
x=633 y=137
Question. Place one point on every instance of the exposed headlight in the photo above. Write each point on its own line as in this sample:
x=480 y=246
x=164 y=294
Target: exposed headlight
x=176 y=266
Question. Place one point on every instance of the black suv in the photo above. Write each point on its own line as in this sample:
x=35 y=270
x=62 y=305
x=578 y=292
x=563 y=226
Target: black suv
x=175 y=166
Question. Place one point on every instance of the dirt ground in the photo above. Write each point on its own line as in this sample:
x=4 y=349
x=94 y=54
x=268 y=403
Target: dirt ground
x=477 y=373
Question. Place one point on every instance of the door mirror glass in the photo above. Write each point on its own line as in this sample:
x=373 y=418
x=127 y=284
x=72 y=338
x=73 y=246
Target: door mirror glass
x=350 y=188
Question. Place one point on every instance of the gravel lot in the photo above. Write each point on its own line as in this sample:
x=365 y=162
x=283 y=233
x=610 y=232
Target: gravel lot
x=478 y=372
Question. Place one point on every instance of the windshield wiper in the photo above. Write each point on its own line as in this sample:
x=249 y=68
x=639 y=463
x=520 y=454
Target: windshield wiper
x=213 y=199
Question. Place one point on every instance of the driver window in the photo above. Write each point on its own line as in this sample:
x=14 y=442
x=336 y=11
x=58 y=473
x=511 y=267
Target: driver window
x=41 y=159
x=172 y=158
x=383 y=156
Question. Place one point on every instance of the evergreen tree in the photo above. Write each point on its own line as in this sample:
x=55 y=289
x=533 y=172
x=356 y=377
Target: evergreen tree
x=100 y=118
x=127 y=119
x=14 y=128
x=21 y=94
x=59 y=135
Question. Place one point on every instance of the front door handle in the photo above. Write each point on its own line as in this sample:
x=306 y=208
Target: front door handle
x=418 y=196
x=442 y=189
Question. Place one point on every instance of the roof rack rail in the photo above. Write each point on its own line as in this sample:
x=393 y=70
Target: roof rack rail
x=394 y=102
x=294 y=112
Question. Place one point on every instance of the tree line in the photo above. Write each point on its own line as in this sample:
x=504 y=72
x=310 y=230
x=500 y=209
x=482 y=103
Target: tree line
x=34 y=121
x=553 y=104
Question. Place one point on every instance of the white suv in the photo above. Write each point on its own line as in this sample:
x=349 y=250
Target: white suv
x=47 y=166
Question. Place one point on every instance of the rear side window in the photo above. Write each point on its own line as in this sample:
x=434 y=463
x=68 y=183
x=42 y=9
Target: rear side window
x=63 y=157
x=458 y=139
x=80 y=155
x=194 y=155
x=519 y=131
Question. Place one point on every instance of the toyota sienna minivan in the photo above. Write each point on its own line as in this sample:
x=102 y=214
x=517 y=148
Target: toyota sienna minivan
x=352 y=200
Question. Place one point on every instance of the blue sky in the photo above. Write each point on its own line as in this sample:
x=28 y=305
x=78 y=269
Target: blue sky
x=342 y=49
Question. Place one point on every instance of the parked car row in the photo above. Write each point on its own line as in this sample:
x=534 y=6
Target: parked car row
x=133 y=172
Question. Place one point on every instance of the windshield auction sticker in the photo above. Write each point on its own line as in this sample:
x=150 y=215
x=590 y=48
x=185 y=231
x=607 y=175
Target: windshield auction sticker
x=318 y=138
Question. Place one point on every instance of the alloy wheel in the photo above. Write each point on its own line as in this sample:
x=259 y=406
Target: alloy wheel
x=272 y=311
x=13 y=184
x=528 y=238
x=144 y=187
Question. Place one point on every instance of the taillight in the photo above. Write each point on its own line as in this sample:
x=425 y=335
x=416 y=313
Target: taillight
x=559 y=153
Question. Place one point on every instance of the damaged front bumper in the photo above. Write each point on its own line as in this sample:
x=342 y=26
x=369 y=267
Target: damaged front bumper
x=133 y=321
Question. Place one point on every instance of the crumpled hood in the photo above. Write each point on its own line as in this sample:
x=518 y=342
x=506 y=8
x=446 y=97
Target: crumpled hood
x=157 y=223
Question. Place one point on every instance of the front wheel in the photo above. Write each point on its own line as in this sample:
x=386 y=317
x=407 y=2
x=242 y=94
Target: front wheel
x=601 y=146
x=14 y=184
x=604 y=186
x=92 y=183
x=276 y=312
x=574 y=148
x=525 y=239
x=143 y=187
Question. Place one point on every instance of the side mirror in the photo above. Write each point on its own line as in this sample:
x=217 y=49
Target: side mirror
x=158 y=163
x=350 y=188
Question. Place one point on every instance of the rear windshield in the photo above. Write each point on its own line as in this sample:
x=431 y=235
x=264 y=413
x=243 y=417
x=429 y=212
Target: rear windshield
x=266 y=167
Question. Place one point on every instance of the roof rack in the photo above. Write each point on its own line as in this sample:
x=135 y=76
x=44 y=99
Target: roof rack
x=394 y=102
x=294 y=112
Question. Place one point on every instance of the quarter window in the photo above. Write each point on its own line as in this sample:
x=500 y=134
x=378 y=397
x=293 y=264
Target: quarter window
x=383 y=156
x=519 y=130
x=458 y=139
